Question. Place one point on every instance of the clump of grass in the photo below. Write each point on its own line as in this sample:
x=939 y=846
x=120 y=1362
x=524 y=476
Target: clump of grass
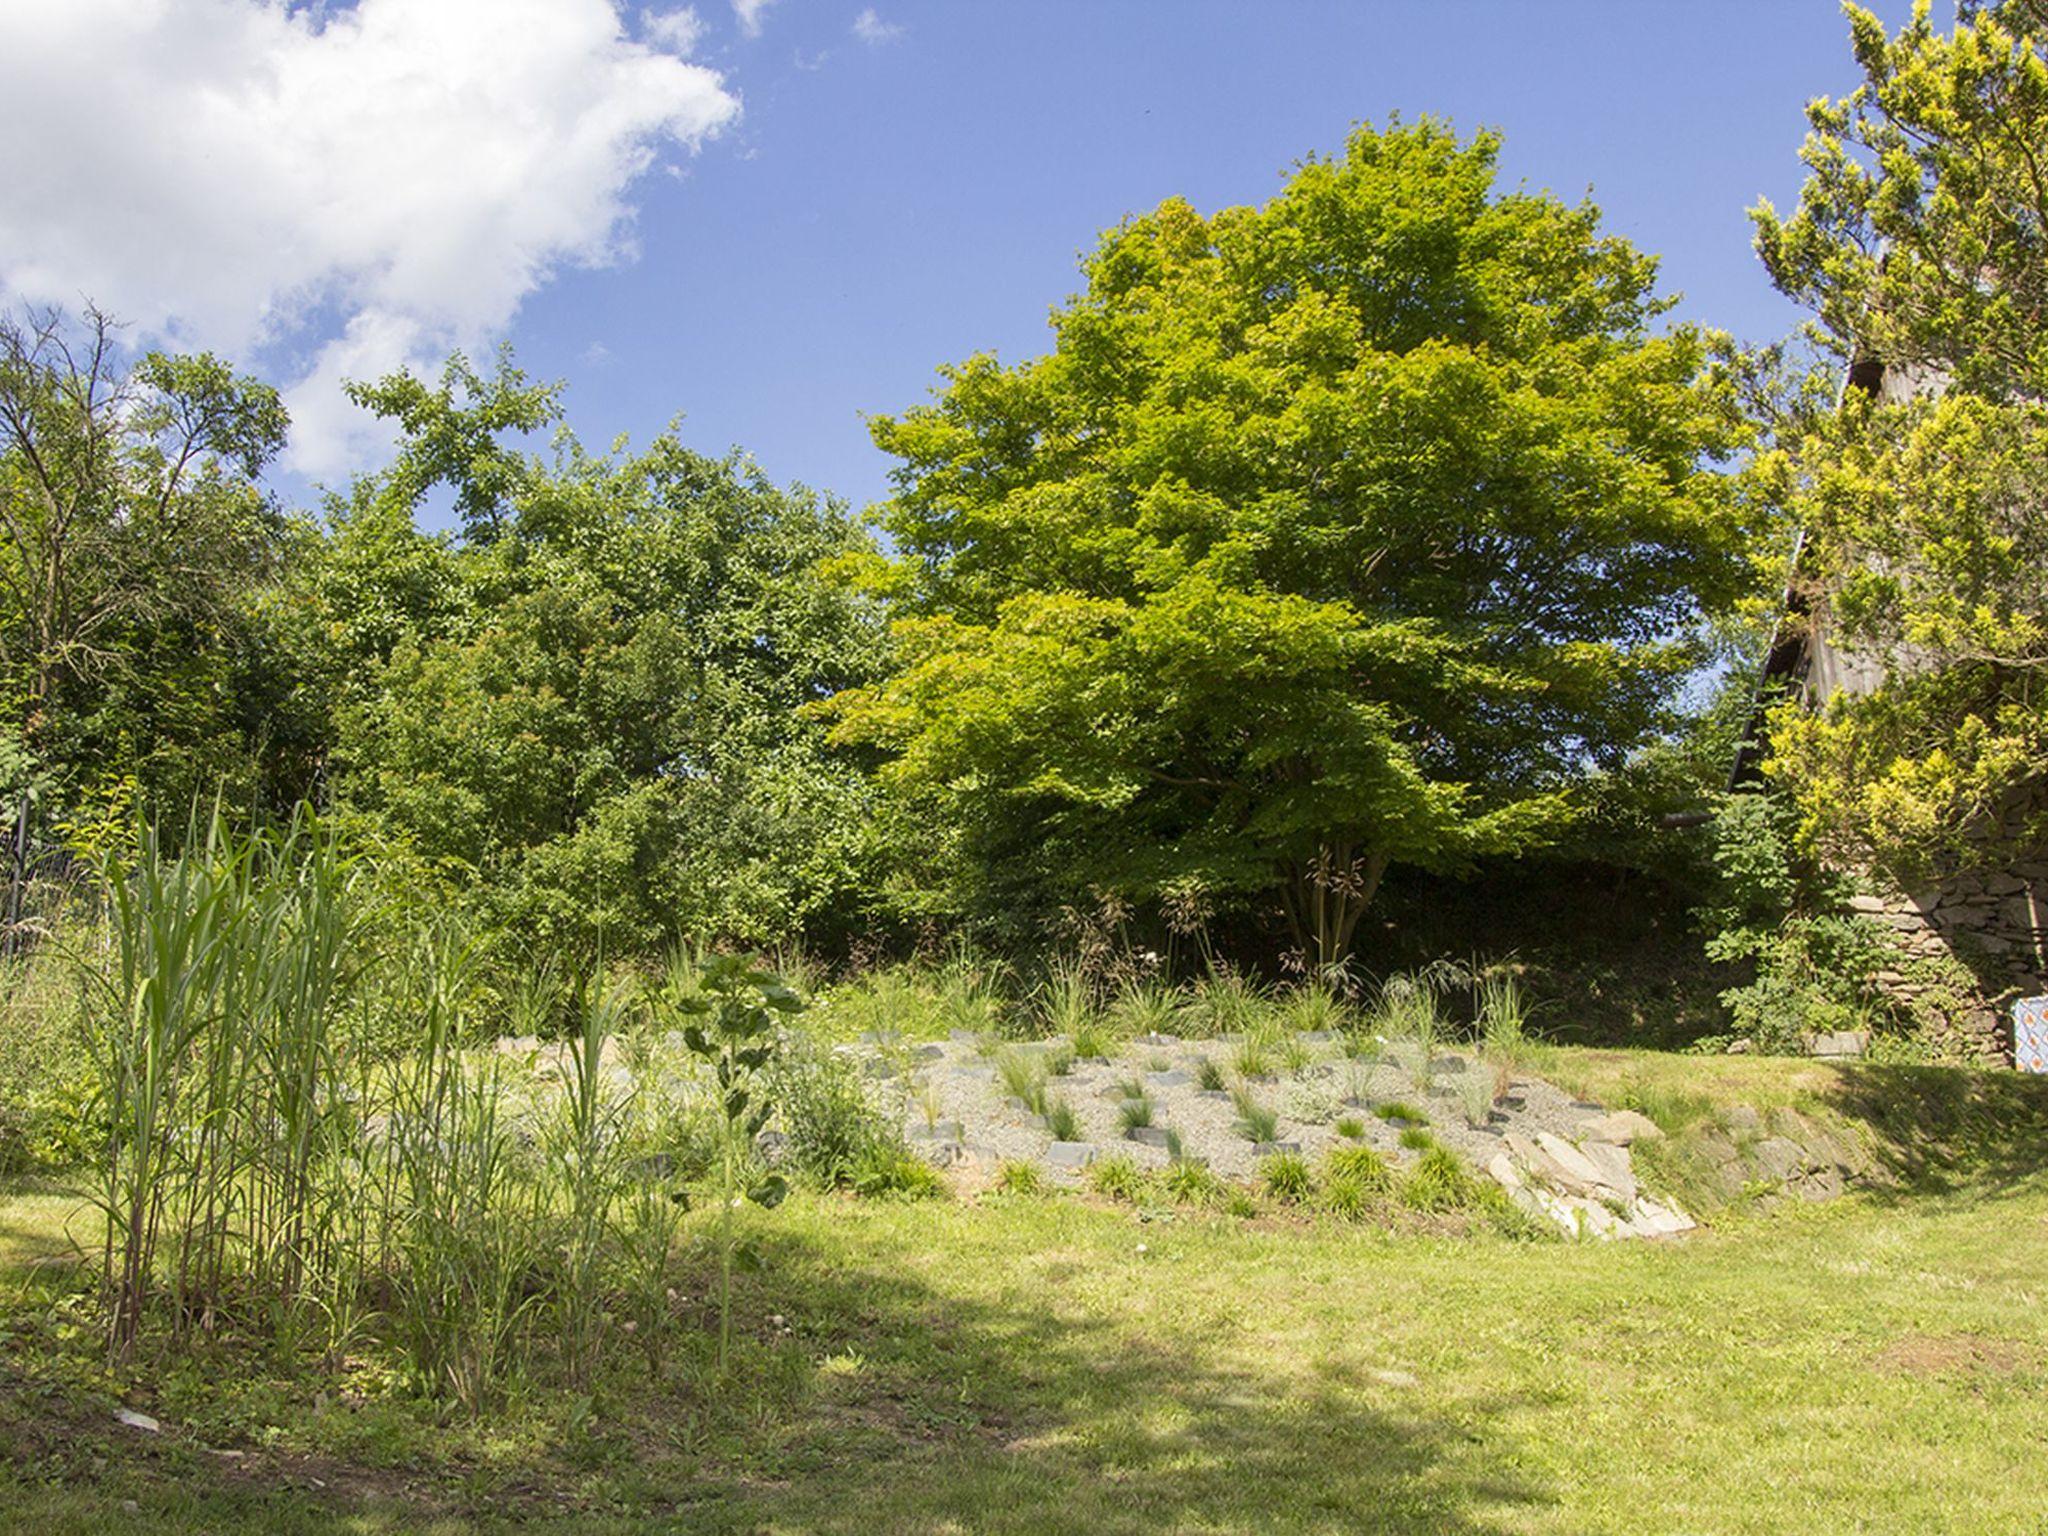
x=1224 y=1003
x=1023 y=1074
x=1410 y=1015
x=1286 y=1176
x=1296 y=1054
x=1503 y=1019
x=1158 y=1063
x=1146 y=1008
x=970 y=993
x=1209 y=1075
x=1343 y=1197
x=1351 y=1128
x=1476 y=1094
x=1416 y=1139
x=1255 y=1122
x=1238 y=1202
x=1059 y=1062
x=1438 y=1182
x=1361 y=1166
x=1135 y=1113
x=1253 y=1055
x=893 y=1172
x=1019 y=1178
x=1064 y=1002
x=1187 y=1182
x=1117 y=1178
x=1061 y=1120
x=1395 y=1112
x=1313 y=1010
x=1095 y=1040
x=929 y=1103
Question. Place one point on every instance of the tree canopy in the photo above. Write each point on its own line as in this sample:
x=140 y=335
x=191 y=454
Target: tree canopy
x=1347 y=530
x=1921 y=240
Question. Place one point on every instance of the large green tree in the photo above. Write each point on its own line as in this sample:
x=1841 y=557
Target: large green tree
x=1921 y=241
x=1345 y=531
x=585 y=708
x=133 y=534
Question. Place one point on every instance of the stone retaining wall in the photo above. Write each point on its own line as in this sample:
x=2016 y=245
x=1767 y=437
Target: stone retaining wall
x=1975 y=941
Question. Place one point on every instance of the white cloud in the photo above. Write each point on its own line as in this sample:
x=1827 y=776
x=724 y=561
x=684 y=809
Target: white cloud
x=678 y=31
x=370 y=186
x=874 y=31
x=749 y=13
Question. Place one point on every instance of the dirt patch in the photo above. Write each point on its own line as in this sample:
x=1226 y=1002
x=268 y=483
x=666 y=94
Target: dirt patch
x=1957 y=1354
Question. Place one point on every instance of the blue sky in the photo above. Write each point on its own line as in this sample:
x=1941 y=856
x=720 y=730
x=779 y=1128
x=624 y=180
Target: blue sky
x=884 y=209
x=770 y=217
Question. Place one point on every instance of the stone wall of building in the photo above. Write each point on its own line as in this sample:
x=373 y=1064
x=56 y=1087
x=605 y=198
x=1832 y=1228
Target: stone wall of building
x=1976 y=940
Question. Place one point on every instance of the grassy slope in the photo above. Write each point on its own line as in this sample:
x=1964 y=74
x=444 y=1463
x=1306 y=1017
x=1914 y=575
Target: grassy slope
x=1025 y=1365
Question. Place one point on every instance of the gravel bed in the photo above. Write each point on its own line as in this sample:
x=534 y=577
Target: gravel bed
x=992 y=1126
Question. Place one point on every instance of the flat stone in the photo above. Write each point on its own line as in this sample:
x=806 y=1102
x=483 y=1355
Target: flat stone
x=1615 y=1170
x=943 y=1130
x=1214 y=1093
x=1171 y=1079
x=963 y=1037
x=1779 y=1158
x=1841 y=1043
x=1502 y=1167
x=1562 y=1153
x=1869 y=906
x=1157 y=1041
x=1275 y=1148
x=1623 y=1127
x=134 y=1420
x=1318 y=1036
x=1070 y=1154
x=928 y=1052
x=1657 y=1219
x=1148 y=1135
x=1396 y=1379
x=1742 y=1118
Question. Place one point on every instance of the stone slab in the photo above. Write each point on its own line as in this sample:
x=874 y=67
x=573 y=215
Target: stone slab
x=1070 y=1154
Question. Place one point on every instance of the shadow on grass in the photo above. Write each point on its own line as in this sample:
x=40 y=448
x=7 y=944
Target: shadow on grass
x=1942 y=1130
x=987 y=1418
x=945 y=1413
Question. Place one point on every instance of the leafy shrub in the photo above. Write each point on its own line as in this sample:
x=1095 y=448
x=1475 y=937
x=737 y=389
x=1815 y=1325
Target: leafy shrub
x=836 y=1132
x=1286 y=1176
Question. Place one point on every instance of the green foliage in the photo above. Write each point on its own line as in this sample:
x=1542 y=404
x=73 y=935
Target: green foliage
x=1285 y=1176
x=1255 y=1122
x=1439 y=1182
x=1187 y=1182
x=1361 y=1166
x=1351 y=1128
x=1814 y=965
x=1397 y=1113
x=134 y=536
x=1416 y=1139
x=1134 y=1114
x=1019 y=1178
x=588 y=710
x=836 y=1133
x=731 y=1006
x=1117 y=1177
x=1023 y=1073
x=1336 y=532
x=1209 y=1075
x=1061 y=1121
x=1918 y=242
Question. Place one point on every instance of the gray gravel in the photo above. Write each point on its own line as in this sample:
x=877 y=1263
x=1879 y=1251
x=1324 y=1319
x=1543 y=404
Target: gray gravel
x=1308 y=1102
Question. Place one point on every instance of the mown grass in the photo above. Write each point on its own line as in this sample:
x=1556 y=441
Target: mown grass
x=1039 y=1364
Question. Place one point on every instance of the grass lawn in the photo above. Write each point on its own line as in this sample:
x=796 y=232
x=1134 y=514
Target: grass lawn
x=1051 y=1364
